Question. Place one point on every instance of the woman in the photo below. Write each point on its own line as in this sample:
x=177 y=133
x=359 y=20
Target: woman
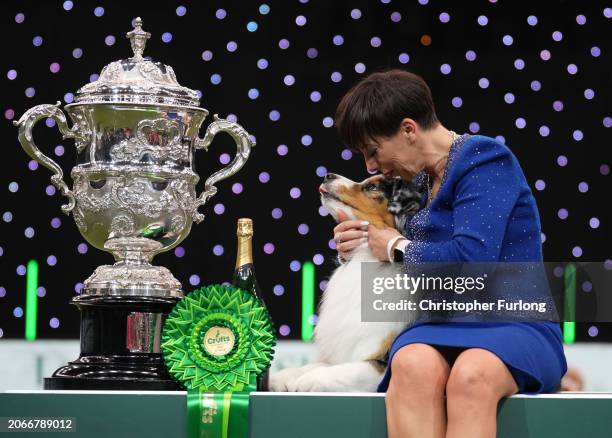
x=479 y=208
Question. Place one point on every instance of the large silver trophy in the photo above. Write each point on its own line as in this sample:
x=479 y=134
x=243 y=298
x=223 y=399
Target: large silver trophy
x=134 y=195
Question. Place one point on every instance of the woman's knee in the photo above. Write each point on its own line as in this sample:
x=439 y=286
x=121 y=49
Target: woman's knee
x=419 y=365
x=480 y=375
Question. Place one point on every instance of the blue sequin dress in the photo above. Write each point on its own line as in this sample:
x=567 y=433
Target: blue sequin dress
x=484 y=211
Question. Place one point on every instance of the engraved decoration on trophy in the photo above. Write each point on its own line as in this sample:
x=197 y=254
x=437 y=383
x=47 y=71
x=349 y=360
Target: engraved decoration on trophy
x=134 y=184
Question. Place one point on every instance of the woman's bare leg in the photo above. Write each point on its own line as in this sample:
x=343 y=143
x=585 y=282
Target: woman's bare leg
x=477 y=381
x=415 y=397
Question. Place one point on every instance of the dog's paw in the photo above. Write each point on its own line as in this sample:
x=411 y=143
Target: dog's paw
x=277 y=384
x=316 y=380
x=279 y=381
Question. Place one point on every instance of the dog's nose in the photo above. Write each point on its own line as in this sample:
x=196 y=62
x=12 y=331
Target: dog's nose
x=330 y=176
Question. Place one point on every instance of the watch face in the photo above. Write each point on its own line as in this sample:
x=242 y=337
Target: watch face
x=398 y=256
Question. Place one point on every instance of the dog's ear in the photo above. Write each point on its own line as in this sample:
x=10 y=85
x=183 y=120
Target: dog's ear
x=387 y=186
x=404 y=196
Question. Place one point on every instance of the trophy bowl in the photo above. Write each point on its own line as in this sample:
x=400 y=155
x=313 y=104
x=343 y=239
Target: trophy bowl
x=136 y=131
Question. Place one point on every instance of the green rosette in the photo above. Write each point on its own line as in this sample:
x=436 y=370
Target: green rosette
x=215 y=343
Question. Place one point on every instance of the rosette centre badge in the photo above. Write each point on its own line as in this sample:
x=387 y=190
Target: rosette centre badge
x=219 y=341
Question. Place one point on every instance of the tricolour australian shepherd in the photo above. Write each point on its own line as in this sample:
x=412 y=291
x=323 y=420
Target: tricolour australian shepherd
x=351 y=354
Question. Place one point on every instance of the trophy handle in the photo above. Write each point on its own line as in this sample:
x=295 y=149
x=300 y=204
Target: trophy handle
x=26 y=124
x=243 y=150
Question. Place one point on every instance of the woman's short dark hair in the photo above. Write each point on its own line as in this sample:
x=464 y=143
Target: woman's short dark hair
x=376 y=106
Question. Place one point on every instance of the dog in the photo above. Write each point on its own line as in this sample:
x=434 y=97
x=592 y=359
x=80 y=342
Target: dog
x=351 y=354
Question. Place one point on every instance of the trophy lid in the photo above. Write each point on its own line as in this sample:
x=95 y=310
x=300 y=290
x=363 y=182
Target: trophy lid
x=137 y=80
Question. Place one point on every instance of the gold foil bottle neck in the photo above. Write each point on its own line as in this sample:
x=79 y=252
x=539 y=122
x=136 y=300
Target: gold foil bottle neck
x=244 y=231
x=245 y=227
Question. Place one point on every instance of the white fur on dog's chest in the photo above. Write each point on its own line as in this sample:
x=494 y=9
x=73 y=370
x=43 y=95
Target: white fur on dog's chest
x=340 y=334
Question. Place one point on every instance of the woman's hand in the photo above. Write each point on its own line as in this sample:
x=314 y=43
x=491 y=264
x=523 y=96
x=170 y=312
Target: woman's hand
x=378 y=239
x=349 y=234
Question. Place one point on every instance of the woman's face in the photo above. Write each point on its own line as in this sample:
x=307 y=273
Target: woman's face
x=394 y=156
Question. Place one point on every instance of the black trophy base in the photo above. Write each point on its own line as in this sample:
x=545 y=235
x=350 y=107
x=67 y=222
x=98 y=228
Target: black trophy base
x=81 y=384
x=104 y=373
x=120 y=346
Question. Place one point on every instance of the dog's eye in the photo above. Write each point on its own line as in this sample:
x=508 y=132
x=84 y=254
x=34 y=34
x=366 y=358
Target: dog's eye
x=370 y=188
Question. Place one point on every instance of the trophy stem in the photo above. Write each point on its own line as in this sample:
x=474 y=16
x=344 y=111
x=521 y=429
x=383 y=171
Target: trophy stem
x=133 y=250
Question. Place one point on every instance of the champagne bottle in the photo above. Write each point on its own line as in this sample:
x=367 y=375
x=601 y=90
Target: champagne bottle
x=244 y=275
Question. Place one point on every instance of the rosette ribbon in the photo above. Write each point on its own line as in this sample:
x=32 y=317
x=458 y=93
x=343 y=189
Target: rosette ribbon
x=215 y=343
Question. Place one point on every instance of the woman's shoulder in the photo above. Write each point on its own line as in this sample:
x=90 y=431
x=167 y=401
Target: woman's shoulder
x=481 y=146
x=479 y=150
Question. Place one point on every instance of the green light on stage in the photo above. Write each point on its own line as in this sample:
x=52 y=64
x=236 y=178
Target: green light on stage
x=569 y=332
x=31 y=306
x=308 y=300
x=569 y=308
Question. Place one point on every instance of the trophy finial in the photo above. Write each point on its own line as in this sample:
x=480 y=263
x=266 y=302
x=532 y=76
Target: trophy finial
x=138 y=39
